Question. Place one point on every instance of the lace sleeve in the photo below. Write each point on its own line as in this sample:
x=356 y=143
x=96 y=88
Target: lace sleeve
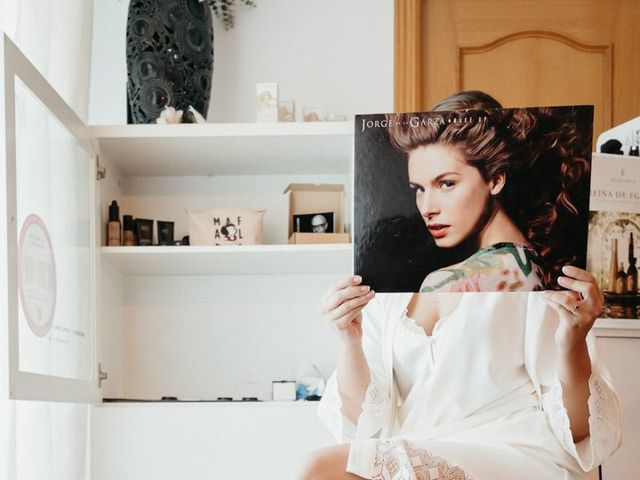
x=330 y=412
x=604 y=422
x=375 y=411
x=370 y=421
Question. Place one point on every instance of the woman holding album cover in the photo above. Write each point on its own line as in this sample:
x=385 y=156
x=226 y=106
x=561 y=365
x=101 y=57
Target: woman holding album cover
x=482 y=384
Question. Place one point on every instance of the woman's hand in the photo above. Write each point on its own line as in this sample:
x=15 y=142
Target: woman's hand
x=578 y=306
x=341 y=307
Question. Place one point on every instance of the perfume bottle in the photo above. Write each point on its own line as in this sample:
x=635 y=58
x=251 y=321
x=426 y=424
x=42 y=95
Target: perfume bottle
x=632 y=276
x=621 y=280
x=632 y=271
x=613 y=265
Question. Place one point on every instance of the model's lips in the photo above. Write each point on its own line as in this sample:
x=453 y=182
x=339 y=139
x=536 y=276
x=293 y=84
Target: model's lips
x=438 y=230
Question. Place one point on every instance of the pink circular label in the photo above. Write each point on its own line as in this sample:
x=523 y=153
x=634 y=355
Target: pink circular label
x=36 y=275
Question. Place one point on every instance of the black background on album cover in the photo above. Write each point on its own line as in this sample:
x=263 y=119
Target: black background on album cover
x=393 y=250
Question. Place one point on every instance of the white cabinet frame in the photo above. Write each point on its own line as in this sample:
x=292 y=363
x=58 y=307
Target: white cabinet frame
x=23 y=385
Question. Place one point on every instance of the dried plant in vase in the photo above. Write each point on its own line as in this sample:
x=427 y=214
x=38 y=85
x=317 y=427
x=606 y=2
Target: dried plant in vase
x=223 y=9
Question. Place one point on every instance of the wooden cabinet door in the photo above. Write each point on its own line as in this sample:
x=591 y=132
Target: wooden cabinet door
x=523 y=52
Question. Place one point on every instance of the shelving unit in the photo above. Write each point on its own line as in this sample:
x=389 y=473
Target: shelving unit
x=617 y=327
x=253 y=307
x=207 y=150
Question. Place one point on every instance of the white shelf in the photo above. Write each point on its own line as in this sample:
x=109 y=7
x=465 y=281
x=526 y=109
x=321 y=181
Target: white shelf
x=228 y=148
x=283 y=405
x=617 y=327
x=245 y=259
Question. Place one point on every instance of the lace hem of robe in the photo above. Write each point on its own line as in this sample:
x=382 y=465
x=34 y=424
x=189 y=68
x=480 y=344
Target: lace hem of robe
x=400 y=460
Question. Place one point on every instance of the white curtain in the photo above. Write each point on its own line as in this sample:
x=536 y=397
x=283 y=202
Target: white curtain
x=56 y=36
x=40 y=440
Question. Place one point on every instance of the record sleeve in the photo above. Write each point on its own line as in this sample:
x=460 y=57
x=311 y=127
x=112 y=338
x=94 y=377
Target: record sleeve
x=614 y=233
x=474 y=200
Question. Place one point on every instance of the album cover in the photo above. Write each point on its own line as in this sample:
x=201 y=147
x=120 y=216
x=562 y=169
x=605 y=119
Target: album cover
x=475 y=200
x=614 y=233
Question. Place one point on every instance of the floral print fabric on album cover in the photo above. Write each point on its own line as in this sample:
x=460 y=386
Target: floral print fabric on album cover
x=506 y=267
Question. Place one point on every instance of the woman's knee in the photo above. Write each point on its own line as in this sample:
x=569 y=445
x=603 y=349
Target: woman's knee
x=310 y=466
x=326 y=463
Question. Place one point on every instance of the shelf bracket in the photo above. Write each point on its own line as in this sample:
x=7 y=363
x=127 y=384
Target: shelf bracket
x=101 y=172
x=102 y=376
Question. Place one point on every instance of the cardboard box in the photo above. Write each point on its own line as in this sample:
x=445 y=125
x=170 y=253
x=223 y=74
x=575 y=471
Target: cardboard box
x=302 y=238
x=305 y=199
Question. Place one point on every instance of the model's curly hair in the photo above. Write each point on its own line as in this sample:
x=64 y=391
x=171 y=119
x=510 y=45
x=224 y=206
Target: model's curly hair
x=543 y=152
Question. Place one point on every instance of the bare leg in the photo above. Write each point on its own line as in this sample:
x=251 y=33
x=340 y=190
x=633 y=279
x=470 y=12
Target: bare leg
x=328 y=463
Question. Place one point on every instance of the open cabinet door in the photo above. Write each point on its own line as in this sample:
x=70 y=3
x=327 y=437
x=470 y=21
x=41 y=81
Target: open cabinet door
x=50 y=244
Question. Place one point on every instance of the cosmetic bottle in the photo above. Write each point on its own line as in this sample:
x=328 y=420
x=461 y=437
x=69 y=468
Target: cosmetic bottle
x=144 y=231
x=113 y=227
x=127 y=231
x=165 y=232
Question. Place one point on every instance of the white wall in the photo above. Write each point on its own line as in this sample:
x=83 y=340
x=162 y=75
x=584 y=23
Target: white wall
x=205 y=337
x=331 y=53
x=223 y=336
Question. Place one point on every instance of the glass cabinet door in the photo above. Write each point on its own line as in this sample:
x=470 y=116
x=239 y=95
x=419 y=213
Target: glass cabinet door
x=51 y=242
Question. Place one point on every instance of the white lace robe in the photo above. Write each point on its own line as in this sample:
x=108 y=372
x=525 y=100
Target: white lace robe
x=480 y=398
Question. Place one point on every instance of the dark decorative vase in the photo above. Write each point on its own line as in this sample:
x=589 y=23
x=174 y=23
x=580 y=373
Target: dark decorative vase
x=169 y=57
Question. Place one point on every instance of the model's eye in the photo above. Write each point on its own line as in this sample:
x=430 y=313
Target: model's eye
x=447 y=184
x=416 y=188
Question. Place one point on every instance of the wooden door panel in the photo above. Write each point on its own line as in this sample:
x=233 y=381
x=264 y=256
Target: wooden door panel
x=538 y=68
x=524 y=52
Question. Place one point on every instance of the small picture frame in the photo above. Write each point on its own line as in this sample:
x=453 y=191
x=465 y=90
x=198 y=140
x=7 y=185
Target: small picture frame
x=312 y=113
x=322 y=222
x=267 y=102
x=286 y=111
